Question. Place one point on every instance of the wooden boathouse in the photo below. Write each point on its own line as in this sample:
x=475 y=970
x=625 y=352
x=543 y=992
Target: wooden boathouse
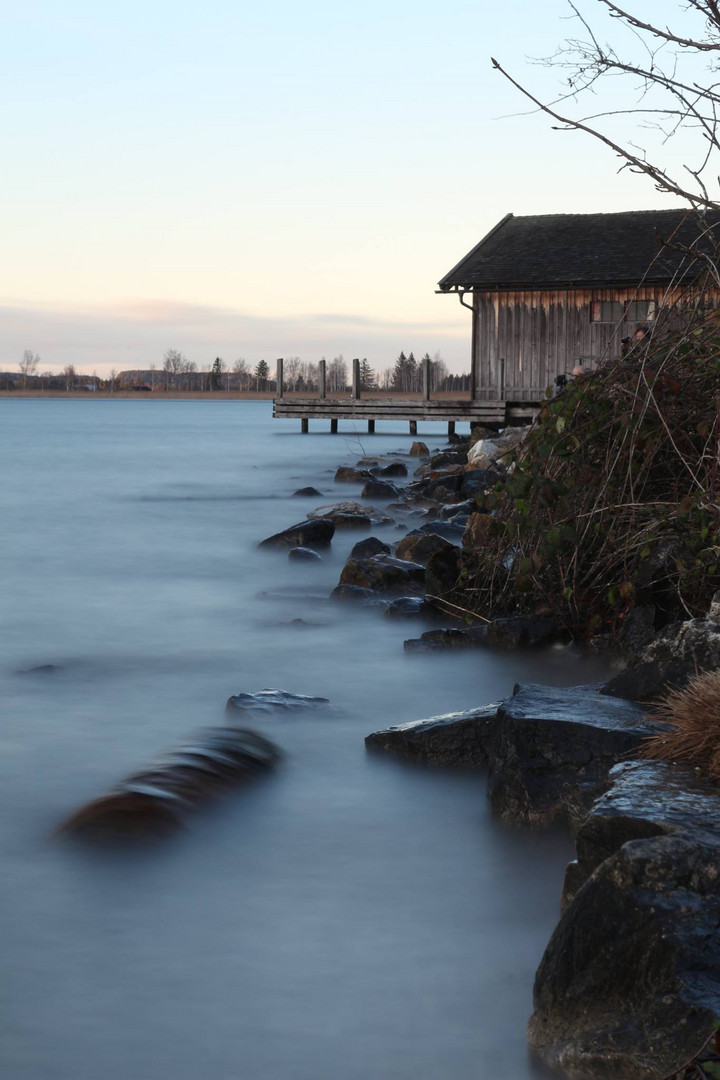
x=548 y=293
x=552 y=292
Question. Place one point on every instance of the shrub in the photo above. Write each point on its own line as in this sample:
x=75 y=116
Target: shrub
x=693 y=714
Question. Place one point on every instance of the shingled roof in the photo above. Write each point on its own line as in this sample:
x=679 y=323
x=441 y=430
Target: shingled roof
x=582 y=250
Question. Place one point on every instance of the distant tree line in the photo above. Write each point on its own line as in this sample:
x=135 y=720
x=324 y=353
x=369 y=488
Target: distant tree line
x=176 y=373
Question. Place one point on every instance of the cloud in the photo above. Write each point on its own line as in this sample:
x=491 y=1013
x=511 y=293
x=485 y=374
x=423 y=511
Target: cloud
x=135 y=334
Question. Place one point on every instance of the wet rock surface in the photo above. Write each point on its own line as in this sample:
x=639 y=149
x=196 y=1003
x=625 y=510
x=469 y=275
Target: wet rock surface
x=365 y=549
x=347 y=475
x=459 y=739
x=628 y=987
x=302 y=554
x=272 y=701
x=555 y=748
x=350 y=514
x=356 y=593
x=384 y=573
x=646 y=799
x=670 y=659
x=316 y=532
x=418 y=546
x=307 y=492
x=379 y=489
x=409 y=607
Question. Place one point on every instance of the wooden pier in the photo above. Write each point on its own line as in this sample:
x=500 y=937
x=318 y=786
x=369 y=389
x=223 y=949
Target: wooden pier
x=489 y=413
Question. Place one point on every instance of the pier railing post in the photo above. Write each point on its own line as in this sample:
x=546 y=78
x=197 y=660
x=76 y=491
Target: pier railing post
x=426 y=378
x=356 y=379
x=279 y=378
x=322 y=370
x=502 y=378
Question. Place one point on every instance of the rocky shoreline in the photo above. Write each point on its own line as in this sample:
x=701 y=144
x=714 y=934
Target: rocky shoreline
x=629 y=986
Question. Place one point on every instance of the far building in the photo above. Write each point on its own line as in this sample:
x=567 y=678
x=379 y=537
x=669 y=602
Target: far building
x=552 y=292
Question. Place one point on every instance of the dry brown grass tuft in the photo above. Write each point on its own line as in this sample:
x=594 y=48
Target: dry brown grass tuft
x=694 y=716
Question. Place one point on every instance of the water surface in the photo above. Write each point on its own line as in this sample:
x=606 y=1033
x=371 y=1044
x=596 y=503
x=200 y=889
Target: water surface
x=348 y=918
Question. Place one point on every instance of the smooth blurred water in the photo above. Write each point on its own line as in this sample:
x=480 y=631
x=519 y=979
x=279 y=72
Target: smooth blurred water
x=349 y=917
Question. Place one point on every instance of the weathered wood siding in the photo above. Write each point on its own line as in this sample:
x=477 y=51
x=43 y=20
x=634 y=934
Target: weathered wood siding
x=540 y=334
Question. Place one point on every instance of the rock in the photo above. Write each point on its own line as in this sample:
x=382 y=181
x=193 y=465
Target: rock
x=379 y=489
x=646 y=799
x=477 y=531
x=272 y=701
x=154 y=802
x=450 y=530
x=307 y=491
x=497 y=447
x=446 y=638
x=384 y=573
x=317 y=532
x=418 y=546
x=40 y=669
x=628 y=987
x=409 y=607
x=476 y=481
x=555 y=747
x=669 y=659
x=419 y=449
x=302 y=554
x=396 y=468
x=351 y=515
x=448 y=457
x=356 y=592
x=442 y=571
x=365 y=549
x=347 y=475
x=460 y=739
x=525 y=632
x=457 y=512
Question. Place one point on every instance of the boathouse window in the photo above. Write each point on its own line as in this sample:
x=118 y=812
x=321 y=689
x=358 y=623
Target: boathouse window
x=609 y=311
x=614 y=311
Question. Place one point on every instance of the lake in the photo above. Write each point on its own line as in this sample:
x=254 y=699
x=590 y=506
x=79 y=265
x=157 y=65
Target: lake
x=347 y=918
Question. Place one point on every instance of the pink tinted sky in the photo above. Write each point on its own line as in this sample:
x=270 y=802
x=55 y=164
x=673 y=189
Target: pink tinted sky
x=253 y=182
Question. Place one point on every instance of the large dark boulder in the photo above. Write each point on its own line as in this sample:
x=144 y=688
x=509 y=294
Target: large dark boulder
x=555 y=748
x=525 y=632
x=628 y=988
x=384 y=573
x=317 y=532
x=475 y=481
x=646 y=799
x=460 y=739
x=670 y=659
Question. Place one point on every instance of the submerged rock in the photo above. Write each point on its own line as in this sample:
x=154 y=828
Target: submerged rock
x=307 y=492
x=460 y=738
x=555 y=748
x=409 y=607
x=395 y=468
x=155 y=801
x=347 y=475
x=419 y=449
x=272 y=701
x=316 y=532
x=303 y=554
x=368 y=597
x=348 y=515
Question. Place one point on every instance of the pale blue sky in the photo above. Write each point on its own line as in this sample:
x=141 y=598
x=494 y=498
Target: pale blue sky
x=291 y=180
